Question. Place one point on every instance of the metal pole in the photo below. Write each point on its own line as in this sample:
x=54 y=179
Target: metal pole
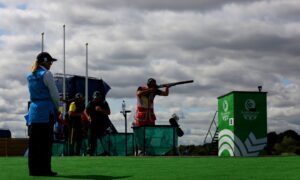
x=64 y=82
x=124 y=112
x=127 y=111
x=64 y=69
x=86 y=75
x=125 y=133
x=42 y=41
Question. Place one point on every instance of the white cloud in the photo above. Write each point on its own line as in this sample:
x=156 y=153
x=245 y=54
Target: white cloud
x=222 y=45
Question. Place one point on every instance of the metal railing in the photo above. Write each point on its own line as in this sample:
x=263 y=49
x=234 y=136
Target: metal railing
x=209 y=132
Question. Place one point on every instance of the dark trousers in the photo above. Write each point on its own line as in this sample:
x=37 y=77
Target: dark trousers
x=75 y=136
x=40 y=147
x=97 y=130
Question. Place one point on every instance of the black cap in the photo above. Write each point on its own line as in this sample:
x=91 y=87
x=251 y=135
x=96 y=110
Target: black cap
x=45 y=57
x=150 y=81
x=97 y=94
x=78 y=96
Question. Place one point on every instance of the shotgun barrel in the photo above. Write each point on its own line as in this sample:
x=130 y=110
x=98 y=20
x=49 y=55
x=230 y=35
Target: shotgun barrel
x=175 y=83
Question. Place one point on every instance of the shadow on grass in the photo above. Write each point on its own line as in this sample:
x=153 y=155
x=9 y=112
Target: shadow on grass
x=92 y=177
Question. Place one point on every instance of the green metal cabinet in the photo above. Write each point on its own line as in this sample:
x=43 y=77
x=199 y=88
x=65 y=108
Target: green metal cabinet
x=242 y=123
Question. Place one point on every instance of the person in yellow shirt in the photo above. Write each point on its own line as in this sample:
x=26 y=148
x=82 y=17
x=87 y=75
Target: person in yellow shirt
x=76 y=111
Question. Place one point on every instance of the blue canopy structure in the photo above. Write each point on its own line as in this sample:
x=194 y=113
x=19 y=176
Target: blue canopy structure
x=76 y=84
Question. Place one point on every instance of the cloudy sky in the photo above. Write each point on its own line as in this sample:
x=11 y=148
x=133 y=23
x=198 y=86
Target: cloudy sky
x=229 y=45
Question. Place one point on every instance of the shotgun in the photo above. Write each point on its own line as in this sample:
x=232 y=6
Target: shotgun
x=175 y=83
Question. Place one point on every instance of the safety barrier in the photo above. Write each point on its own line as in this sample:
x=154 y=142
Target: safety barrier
x=13 y=146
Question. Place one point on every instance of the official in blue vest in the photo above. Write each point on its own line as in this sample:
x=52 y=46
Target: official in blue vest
x=43 y=109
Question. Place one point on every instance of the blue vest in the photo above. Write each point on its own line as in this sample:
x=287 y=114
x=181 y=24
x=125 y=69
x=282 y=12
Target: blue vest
x=41 y=105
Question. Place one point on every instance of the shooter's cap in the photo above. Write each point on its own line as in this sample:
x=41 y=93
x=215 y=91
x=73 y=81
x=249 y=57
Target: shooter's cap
x=45 y=57
x=151 y=81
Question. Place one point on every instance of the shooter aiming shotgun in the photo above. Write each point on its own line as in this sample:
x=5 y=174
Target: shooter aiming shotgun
x=145 y=97
x=145 y=106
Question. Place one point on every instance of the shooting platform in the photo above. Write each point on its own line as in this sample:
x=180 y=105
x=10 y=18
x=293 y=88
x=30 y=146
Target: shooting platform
x=155 y=140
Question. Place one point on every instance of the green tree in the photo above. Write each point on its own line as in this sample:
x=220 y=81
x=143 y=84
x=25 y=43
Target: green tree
x=288 y=145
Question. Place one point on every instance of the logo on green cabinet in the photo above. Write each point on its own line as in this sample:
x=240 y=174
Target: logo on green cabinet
x=225 y=114
x=250 y=112
x=250 y=105
x=231 y=143
x=225 y=106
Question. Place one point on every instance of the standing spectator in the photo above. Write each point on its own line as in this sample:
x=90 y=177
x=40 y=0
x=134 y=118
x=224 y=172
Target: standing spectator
x=76 y=110
x=98 y=110
x=43 y=110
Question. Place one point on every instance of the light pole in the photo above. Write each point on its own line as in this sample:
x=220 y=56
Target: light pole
x=86 y=74
x=42 y=41
x=64 y=70
x=124 y=112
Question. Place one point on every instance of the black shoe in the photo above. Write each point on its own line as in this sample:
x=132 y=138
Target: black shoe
x=51 y=173
x=35 y=174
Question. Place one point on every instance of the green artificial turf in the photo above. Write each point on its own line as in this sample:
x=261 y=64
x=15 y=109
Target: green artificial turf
x=162 y=168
